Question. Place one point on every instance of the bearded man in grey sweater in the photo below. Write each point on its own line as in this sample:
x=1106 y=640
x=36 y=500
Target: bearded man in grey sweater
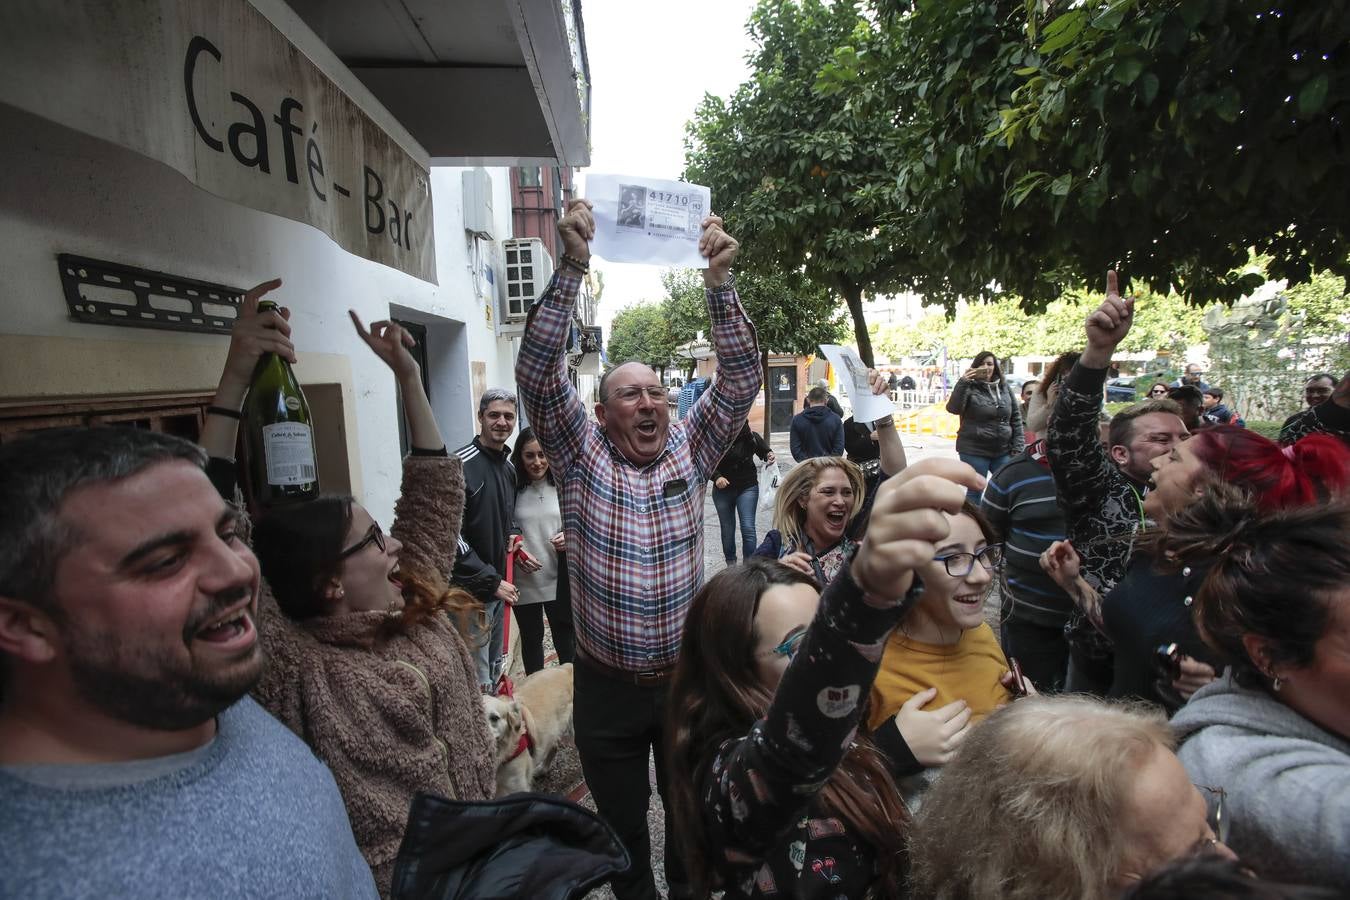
x=132 y=762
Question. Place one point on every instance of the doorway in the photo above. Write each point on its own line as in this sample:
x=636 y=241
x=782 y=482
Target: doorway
x=782 y=397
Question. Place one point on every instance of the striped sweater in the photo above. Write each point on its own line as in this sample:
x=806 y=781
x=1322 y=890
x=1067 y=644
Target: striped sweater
x=1020 y=503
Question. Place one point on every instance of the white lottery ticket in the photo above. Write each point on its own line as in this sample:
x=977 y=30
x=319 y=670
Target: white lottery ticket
x=647 y=220
x=852 y=373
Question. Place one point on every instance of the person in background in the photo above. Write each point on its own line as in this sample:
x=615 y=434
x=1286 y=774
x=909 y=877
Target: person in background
x=1021 y=506
x=1193 y=376
x=1060 y=798
x=861 y=443
x=830 y=400
x=632 y=486
x=1214 y=410
x=736 y=491
x=1192 y=404
x=907 y=383
x=773 y=793
x=489 y=531
x=544 y=591
x=816 y=431
x=133 y=763
x=1101 y=489
x=1326 y=413
x=1028 y=388
x=991 y=417
x=1274 y=730
x=692 y=390
x=1158 y=390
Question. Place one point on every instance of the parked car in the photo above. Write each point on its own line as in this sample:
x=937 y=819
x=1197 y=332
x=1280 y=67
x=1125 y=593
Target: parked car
x=1120 y=390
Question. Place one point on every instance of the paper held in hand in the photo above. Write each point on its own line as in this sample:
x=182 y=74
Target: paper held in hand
x=852 y=373
x=647 y=220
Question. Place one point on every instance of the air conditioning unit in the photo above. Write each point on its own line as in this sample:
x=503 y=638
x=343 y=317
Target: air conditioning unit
x=527 y=267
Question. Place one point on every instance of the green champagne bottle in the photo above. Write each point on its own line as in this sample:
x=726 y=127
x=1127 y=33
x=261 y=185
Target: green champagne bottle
x=277 y=434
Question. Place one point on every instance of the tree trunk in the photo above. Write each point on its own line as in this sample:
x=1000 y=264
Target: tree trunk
x=768 y=396
x=853 y=296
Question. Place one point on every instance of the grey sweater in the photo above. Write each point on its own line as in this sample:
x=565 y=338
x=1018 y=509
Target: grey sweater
x=253 y=814
x=1287 y=781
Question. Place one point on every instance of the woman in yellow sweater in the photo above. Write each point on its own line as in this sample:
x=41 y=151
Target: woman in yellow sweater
x=943 y=669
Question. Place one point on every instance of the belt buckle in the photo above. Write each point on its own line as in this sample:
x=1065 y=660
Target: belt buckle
x=644 y=678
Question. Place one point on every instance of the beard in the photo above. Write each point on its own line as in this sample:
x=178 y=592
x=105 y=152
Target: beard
x=151 y=687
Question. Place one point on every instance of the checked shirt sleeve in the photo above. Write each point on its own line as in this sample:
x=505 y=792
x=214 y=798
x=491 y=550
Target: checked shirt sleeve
x=550 y=401
x=761 y=784
x=1083 y=472
x=716 y=417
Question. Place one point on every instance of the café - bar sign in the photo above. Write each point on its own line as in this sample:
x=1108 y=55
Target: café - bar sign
x=213 y=89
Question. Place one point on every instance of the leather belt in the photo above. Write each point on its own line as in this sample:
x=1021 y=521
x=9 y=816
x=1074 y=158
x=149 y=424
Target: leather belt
x=651 y=678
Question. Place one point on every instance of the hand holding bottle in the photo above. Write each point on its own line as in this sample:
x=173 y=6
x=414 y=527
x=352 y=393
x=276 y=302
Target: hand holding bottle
x=255 y=333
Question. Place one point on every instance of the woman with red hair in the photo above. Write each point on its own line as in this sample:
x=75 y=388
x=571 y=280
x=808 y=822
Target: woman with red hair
x=1150 y=608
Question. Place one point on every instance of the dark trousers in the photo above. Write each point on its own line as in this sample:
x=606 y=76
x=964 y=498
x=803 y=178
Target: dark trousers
x=1041 y=650
x=617 y=726
x=530 y=619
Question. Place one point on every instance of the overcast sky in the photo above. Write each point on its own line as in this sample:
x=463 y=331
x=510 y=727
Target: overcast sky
x=651 y=64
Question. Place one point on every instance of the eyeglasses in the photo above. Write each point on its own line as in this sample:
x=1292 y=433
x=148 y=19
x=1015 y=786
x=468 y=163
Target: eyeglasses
x=959 y=565
x=373 y=536
x=1158 y=392
x=1217 y=817
x=788 y=648
x=630 y=393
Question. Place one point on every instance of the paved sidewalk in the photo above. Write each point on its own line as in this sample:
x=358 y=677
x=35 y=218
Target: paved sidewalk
x=564 y=775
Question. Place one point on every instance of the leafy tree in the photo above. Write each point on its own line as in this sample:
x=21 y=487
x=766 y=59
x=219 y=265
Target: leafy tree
x=803 y=178
x=641 y=333
x=1045 y=142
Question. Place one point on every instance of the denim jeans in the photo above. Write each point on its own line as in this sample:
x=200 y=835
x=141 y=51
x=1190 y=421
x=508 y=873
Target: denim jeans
x=729 y=504
x=985 y=465
x=487 y=649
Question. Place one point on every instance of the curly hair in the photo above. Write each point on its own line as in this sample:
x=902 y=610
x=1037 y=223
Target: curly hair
x=1032 y=804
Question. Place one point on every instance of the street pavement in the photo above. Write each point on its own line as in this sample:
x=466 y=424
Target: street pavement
x=564 y=774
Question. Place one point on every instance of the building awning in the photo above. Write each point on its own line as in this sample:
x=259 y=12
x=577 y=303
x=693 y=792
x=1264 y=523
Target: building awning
x=500 y=83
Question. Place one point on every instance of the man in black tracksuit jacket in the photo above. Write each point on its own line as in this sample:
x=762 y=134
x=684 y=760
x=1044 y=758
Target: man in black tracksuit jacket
x=489 y=526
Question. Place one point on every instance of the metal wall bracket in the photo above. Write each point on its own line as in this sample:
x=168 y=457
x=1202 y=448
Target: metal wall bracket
x=107 y=293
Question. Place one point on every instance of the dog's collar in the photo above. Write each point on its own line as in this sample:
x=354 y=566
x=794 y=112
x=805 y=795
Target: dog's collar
x=525 y=743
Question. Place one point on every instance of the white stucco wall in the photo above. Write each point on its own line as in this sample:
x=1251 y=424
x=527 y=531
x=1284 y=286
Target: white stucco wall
x=65 y=192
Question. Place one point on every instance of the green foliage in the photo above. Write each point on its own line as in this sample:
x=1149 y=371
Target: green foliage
x=1042 y=143
x=804 y=176
x=1162 y=323
x=641 y=332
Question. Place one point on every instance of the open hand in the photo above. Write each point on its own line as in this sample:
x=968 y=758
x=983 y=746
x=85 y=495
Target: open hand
x=577 y=230
x=254 y=334
x=799 y=562
x=907 y=522
x=391 y=343
x=719 y=248
x=933 y=735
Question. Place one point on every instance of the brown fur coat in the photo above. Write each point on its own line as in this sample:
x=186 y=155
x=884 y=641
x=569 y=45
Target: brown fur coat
x=390 y=715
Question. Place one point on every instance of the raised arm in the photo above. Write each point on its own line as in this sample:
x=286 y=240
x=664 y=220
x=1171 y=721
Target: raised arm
x=253 y=335
x=716 y=417
x=1079 y=462
x=551 y=402
x=761 y=784
x=889 y=444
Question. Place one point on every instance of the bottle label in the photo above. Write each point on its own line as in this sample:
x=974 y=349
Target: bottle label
x=288 y=448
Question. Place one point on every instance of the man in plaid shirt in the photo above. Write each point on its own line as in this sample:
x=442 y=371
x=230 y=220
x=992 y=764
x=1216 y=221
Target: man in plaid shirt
x=632 y=486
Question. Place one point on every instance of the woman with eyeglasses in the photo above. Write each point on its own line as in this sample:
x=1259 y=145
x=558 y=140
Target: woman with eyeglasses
x=1158 y=391
x=367 y=655
x=774 y=792
x=943 y=670
x=1274 y=730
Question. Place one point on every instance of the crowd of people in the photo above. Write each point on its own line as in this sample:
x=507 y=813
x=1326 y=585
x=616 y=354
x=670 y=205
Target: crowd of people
x=197 y=704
